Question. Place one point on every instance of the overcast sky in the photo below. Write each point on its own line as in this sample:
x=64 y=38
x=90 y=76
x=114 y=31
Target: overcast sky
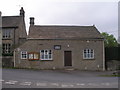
x=101 y=13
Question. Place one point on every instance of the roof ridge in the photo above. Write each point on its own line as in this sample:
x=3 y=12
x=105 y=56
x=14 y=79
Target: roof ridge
x=11 y=16
x=61 y=26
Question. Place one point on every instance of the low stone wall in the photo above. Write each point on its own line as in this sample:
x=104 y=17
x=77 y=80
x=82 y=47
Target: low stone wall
x=113 y=65
x=7 y=61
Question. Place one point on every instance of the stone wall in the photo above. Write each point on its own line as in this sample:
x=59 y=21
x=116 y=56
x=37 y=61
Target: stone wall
x=7 y=61
x=113 y=65
x=76 y=46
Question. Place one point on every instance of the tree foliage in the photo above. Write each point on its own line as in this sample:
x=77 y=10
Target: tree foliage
x=110 y=40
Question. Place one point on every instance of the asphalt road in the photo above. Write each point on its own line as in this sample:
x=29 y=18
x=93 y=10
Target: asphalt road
x=24 y=78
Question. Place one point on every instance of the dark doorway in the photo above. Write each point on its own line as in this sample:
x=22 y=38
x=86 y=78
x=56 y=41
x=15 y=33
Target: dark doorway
x=67 y=58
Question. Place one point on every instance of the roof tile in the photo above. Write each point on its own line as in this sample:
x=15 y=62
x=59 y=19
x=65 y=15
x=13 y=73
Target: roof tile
x=63 y=32
x=11 y=21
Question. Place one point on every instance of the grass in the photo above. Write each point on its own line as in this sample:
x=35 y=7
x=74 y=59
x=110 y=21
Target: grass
x=110 y=75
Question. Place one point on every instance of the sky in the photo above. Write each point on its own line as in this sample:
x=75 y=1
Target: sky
x=101 y=13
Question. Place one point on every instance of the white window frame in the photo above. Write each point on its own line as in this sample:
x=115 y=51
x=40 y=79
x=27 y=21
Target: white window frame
x=23 y=53
x=46 y=55
x=89 y=54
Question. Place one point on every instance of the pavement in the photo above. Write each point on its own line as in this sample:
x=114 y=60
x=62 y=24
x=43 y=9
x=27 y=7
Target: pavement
x=25 y=78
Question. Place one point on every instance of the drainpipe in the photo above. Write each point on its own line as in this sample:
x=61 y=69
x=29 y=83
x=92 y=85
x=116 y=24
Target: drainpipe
x=14 y=58
x=103 y=57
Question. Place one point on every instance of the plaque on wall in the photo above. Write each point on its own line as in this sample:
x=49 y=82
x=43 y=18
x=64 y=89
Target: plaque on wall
x=57 y=47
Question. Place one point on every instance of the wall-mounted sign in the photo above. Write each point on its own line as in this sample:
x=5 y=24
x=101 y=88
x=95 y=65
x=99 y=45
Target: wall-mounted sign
x=33 y=56
x=57 y=47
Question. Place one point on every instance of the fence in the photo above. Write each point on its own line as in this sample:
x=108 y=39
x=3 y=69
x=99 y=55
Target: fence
x=112 y=53
x=112 y=58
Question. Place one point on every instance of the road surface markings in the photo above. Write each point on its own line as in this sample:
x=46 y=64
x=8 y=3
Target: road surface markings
x=41 y=84
x=92 y=84
x=11 y=83
x=26 y=83
x=107 y=84
x=2 y=80
x=54 y=84
x=66 y=85
x=80 y=84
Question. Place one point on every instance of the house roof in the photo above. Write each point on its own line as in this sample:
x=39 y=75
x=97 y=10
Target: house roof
x=11 y=21
x=63 y=32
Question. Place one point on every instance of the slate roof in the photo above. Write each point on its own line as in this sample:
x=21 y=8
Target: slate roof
x=63 y=32
x=11 y=21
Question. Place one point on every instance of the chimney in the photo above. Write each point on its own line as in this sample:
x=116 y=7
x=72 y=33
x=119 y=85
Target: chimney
x=22 y=12
x=31 y=20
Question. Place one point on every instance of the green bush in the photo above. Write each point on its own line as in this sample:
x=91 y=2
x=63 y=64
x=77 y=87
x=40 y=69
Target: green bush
x=7 y=54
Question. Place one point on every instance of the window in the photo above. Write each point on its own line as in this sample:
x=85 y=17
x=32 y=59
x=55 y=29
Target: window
x=33 y=56
x=46 y=55
x=6 y=33
x=88 y=54
x=23 y=55
x=6 y=48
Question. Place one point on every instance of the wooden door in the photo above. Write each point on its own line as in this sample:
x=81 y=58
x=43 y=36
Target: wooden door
x=67 y=58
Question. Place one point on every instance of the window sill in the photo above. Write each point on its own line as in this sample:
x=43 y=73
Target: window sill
x=6 y=38
x=33 y=59
x=46 y=60
x=88 y=58
x=24 y=58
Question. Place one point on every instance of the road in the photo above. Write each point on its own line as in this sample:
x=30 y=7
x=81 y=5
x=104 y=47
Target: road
x=25 y=78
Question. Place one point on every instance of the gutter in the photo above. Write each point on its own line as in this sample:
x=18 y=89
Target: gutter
x=65 y=38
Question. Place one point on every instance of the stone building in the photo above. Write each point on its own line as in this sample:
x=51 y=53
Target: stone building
x=61 y=47
x=13 y=35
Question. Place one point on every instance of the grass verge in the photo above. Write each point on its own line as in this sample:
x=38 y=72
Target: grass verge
x=110 y=75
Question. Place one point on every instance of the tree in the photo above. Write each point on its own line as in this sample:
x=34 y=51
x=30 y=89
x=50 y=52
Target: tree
x=110 y=40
